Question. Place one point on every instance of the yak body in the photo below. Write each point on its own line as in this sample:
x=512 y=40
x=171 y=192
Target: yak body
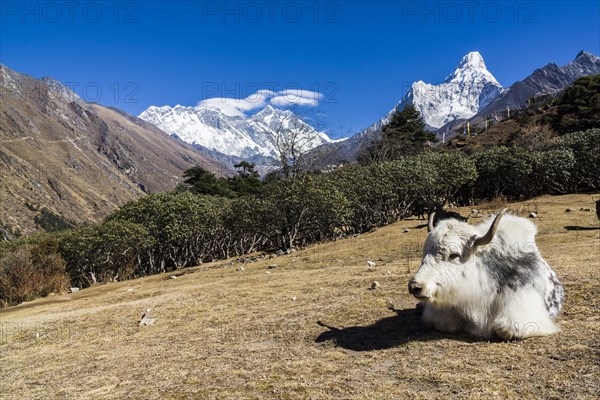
x=502 y=289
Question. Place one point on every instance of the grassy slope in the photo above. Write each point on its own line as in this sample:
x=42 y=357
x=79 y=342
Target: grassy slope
x=223 y=333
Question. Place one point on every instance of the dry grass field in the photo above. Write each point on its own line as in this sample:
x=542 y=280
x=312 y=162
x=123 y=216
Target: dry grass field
x=309 y=328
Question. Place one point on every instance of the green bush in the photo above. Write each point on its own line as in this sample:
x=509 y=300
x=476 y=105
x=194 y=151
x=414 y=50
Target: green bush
x=516 y=173
x=294 y=212
x=585 y=147
x=579 y=106
x=380 y=193
x=185 y=229
x=105 y=252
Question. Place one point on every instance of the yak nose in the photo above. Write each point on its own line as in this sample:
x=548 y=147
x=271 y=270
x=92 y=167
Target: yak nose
x=414 y=288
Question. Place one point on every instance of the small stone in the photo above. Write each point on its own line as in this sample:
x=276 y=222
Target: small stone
x=146 y=319
x=240 y=269
x=388 y=272
x=130 y=290
x=585 y=209
x=474 y=211
x=173 y=277
x=370 y=264
x=568 y=210
x=406 y=230
x=267 y=272
x=533 y=215
x=375 y=285
x=294 y=298
x=74 y=290
x=272 y=266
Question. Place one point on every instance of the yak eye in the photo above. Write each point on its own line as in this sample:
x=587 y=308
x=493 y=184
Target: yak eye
x=453 y=257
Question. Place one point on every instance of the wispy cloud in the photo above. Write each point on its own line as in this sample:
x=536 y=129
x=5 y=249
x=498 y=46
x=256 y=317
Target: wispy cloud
x=261 y=98
x=290 y=97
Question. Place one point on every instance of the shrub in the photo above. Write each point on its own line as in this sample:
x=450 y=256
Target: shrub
x=579 y=106
x=298 y=211
x=31 y=269
x=184 y=229
x=380 y=193
x=585 y=147
x=105 y=252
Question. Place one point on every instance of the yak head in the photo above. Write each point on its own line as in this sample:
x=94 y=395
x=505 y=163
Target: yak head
x=449 y=267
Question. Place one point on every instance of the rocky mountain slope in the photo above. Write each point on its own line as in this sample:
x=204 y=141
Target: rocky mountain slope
x=549 y=79
x=65 y=159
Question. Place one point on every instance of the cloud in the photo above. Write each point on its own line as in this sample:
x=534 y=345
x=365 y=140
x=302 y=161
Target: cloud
x=290 y=97
x=235 y=107
x=261 y=98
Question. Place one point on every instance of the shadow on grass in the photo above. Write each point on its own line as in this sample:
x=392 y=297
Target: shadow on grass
x=402 y=328
x=582 y=228
x=420 y=226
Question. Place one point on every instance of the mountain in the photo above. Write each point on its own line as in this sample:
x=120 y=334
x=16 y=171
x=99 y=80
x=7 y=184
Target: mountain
x=461 y=95
x=256 y=136
x=65 y=159
x=549 y=79
x=469 y=93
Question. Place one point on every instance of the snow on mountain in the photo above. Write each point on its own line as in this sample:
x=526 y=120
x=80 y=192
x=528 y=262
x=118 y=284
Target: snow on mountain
x=462 y=94
x=235 y=135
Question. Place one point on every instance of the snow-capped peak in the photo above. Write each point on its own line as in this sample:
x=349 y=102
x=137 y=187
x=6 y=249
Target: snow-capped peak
x=462 y=94
x=470 y=69
x=234 y=135
x=472 y=60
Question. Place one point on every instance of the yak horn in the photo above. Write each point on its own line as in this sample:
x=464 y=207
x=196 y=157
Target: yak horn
x=430 y=222
x=485 y=239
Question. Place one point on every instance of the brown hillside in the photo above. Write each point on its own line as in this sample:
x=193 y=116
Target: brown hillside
x=78 y=160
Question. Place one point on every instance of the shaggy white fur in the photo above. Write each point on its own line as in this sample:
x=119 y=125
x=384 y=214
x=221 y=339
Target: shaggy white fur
x=502 y=289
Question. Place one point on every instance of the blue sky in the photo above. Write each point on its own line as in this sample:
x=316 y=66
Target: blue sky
x=361 y=56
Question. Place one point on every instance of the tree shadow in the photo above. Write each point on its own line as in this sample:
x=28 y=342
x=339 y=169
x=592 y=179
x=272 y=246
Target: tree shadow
x=582 y=228
x=402 y=328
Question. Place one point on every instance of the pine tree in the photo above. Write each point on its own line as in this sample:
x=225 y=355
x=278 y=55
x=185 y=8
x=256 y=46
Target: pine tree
x=405 y=134
x=201 y=181
x=247 y=181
